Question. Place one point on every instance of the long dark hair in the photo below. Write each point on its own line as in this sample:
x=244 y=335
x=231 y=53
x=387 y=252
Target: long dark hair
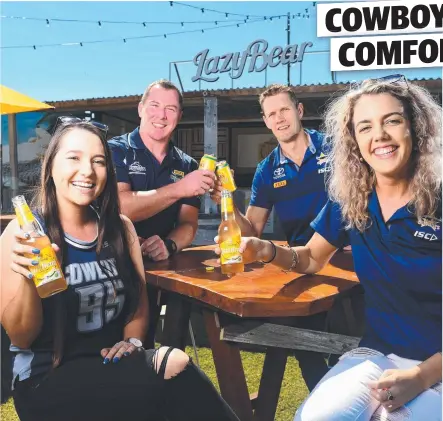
x=111 y=228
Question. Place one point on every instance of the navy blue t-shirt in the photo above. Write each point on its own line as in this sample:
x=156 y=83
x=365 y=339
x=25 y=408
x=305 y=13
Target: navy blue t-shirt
x=297 y=193
x=135 y=165
x=399 y=265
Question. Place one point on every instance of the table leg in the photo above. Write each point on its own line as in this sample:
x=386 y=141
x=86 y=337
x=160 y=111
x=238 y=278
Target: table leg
x=177 y=315
x=270 y=384
x=155 y=304
x=230 y=374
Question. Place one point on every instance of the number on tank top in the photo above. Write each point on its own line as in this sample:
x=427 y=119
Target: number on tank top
x=97 y=300
x=90 y=314
x=114 y=301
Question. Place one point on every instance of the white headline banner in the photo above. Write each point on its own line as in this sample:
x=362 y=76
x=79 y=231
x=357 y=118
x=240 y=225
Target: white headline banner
x=372 y=18
x=387 y=52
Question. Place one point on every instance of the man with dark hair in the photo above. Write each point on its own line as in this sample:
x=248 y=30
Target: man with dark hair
x=291 y=179
x=158 y=184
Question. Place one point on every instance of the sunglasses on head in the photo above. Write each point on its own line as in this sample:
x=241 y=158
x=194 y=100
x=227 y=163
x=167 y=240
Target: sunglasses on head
x=64 y=120
x=396 y=78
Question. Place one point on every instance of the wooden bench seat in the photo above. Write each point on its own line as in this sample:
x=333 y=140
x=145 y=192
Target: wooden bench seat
x=287 y=337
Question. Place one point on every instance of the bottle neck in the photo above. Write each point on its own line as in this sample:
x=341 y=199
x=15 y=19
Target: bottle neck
x=227 y=207
x=227 y=216
x=33 y=227
x=27 y=221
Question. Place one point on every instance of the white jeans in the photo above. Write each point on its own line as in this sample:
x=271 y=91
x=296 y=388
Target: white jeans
x=342 y=394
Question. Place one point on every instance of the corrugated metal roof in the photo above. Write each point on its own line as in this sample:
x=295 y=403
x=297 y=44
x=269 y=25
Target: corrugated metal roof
x=252 y=90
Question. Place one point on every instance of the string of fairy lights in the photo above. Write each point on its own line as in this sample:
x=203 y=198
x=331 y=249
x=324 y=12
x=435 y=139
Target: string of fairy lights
x=239 y=20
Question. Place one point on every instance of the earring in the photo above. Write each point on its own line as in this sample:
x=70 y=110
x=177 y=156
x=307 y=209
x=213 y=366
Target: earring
x=361 y=159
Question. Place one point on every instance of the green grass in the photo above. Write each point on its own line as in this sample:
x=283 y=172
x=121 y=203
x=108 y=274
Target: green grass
x=293 y=390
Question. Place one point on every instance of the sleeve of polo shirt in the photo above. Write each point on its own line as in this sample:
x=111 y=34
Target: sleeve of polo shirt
x=259 y=192
x=118 y=157
x=193 y=201
x=329 y=224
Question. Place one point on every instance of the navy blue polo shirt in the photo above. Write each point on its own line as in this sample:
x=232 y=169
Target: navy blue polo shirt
x=399 y=265
x=135 y=165
x=297 y=193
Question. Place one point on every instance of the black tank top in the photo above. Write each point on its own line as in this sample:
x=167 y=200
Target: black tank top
x=95 y=305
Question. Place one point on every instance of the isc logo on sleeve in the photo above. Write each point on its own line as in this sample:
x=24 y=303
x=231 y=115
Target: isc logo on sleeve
x=426 y=235
x=279 y=184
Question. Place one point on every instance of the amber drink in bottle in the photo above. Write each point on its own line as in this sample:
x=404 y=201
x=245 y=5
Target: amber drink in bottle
x=48 y=275
x=229 y=234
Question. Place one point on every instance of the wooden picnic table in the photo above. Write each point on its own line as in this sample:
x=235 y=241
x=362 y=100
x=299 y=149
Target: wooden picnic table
x=262 y=291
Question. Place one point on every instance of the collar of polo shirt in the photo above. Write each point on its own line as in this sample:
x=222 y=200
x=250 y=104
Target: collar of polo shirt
x=281 y=159
x=135 y=141
x=402 y=213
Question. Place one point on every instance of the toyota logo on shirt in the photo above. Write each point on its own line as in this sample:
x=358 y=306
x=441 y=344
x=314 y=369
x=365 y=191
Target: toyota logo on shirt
x=279 y=173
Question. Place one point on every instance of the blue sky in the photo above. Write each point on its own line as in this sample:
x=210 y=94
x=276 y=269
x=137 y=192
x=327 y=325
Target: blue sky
x=118 y=68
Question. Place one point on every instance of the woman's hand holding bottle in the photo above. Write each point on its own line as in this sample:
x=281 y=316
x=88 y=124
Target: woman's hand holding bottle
x=25 y=255
x=252 y=249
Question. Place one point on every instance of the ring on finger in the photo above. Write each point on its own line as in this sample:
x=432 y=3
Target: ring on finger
x=389 y=395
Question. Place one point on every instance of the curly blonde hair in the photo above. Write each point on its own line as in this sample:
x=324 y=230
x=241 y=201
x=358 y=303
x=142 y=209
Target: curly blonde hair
x=351 y=181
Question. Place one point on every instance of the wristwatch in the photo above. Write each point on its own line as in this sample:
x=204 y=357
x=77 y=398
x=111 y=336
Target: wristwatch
x=134 y=341
x=170 y=246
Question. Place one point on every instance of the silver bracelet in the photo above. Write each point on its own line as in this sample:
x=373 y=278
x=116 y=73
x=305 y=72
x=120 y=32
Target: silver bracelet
x=295 y=260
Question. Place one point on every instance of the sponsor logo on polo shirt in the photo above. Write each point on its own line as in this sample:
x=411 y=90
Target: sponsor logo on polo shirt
x=321 y=160
x=136 y=168
x=431 y=223
x=279 y=184
x=279 y=173
x=426 y=235
x=177 y=175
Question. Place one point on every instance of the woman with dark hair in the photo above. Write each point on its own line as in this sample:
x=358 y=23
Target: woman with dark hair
x=385 y=201
x=78 y=354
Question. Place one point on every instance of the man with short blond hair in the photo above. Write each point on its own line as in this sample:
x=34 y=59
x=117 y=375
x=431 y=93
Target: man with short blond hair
x=165 y=84
x=292 y=177
x=276 y=89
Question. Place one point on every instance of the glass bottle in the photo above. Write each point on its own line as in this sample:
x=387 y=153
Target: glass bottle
x=229 y=237
x=47 y=275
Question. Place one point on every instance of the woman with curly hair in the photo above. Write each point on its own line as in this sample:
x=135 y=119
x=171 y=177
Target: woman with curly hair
x=385 y=200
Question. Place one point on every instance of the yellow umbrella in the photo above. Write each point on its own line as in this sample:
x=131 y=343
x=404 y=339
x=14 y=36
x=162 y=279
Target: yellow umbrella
x=12 y=102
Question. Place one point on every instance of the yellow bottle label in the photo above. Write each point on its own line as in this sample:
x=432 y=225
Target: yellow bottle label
x=230 y=251
x=24 y=214
x=208 y=162
x=227 y=204
x=225 y=176
x=48 y=269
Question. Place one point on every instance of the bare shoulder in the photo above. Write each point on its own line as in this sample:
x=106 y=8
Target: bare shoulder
x=128 y=223
x=130 y=229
